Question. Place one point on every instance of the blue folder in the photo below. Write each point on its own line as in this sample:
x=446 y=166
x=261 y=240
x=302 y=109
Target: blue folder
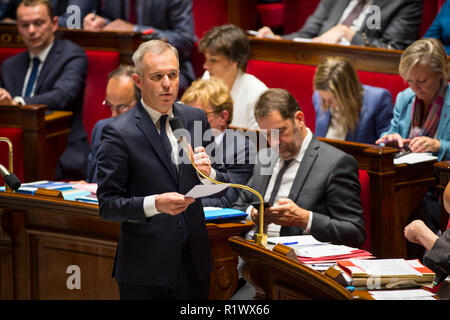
x=224 y=215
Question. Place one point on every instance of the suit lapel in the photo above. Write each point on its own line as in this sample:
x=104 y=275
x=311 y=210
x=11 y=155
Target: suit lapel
x=20 y=72
x=147 y=127
x=305 y=167
x=337 y=14
x=445 y=116
x=52 y=56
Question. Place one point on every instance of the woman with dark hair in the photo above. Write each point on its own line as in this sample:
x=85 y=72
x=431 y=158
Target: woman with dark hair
x=227 y=49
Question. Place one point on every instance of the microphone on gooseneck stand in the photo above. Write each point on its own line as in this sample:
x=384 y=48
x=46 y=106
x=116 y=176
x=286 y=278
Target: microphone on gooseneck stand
x=180 y=133
x=10 y=178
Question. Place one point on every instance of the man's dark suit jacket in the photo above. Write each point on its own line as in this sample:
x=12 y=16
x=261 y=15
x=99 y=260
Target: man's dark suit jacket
x=169 y=19
x=132 y=164
x=238 y=154
x=400 y=23
x=60 y=86
x=95 y=144
x=327 y=184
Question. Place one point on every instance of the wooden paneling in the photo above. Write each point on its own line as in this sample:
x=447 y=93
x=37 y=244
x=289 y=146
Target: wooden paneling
x=43 y=236
x=442 y=172
x=44 y=137
x=395 y=192
x=362 y=58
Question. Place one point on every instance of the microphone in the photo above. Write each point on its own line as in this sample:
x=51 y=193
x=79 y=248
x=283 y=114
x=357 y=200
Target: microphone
x=178 y=129
x=10 y=178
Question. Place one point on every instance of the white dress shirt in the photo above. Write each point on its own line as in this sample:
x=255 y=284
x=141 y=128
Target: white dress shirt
x=245 y=92
x=273 y=230
x=149 y=201
x=42 y=56
x=357 y=24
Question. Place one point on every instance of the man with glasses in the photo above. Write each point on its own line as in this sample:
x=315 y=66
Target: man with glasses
x=121 y=95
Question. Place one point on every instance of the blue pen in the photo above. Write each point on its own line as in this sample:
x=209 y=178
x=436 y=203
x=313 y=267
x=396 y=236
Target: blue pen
x=351 y=289
x=290 y=243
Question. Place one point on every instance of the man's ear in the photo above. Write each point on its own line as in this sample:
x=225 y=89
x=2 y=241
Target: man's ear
x=55 y=24
x=137 y=80
x=299 y=119
x=225 y=115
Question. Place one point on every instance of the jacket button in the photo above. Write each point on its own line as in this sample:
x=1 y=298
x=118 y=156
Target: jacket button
x=179 y=224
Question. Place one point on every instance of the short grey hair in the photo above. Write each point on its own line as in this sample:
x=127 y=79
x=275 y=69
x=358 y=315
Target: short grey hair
x=152 y=46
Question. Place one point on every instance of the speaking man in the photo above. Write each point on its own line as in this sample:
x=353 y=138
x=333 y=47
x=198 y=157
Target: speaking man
x=163 y=250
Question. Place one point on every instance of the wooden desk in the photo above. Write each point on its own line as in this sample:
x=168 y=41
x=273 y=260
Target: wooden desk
x=395 y=191
x=41 y=237
x=44 y=137
x=288 y=51
x=442 y=173
x=276 y=277
x=123 y=42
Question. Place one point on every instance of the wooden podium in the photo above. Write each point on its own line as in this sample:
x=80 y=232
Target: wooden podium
x=277 y=277
x=46 y=243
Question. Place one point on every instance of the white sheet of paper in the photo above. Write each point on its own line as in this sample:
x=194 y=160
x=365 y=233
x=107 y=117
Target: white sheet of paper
x=303 y=240
x=205 y=190
x=302 y=40
x=325 y=250
x=386 y=267
x=413 y=294
x=411 y=158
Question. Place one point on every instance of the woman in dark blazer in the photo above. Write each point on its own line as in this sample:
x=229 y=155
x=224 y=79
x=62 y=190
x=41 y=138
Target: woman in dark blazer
x=345 y=109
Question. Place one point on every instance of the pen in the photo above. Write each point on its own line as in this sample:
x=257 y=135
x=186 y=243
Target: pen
x=290 y=243
x=94 y=12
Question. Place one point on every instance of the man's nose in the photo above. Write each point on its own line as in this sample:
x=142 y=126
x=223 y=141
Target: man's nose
x=166 y=81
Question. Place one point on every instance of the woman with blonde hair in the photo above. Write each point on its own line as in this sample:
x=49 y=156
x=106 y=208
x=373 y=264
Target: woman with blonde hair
x=422 y=112
x=346 y=109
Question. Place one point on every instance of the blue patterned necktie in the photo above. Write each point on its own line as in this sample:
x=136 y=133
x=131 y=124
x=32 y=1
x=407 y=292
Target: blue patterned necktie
x=166 y=142
x=33 y=76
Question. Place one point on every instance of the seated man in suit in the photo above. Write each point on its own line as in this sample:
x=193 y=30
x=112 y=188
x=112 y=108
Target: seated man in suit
x=51 y=72
x=311 y=187
x=121 y=95
x=374 y=23
x=233 y=148
x=163 y=250
x=164 y=19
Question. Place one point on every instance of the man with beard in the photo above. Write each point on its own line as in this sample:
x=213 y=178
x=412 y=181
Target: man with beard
x=311 y=187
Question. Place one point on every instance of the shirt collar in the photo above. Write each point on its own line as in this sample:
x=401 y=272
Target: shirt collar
x=43 y=54
x=155 y=115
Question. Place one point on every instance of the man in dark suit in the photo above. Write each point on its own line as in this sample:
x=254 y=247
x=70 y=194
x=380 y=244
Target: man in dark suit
x=377 y=23
x=163 y=250
x=165 y=19
x=50 y=72
x=121 y=95
x=312 y=187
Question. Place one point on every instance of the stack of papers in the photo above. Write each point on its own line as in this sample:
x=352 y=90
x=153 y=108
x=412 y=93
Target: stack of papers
x=416 y=294
x=412 y=158
x=311 y=251
x=380 y=272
